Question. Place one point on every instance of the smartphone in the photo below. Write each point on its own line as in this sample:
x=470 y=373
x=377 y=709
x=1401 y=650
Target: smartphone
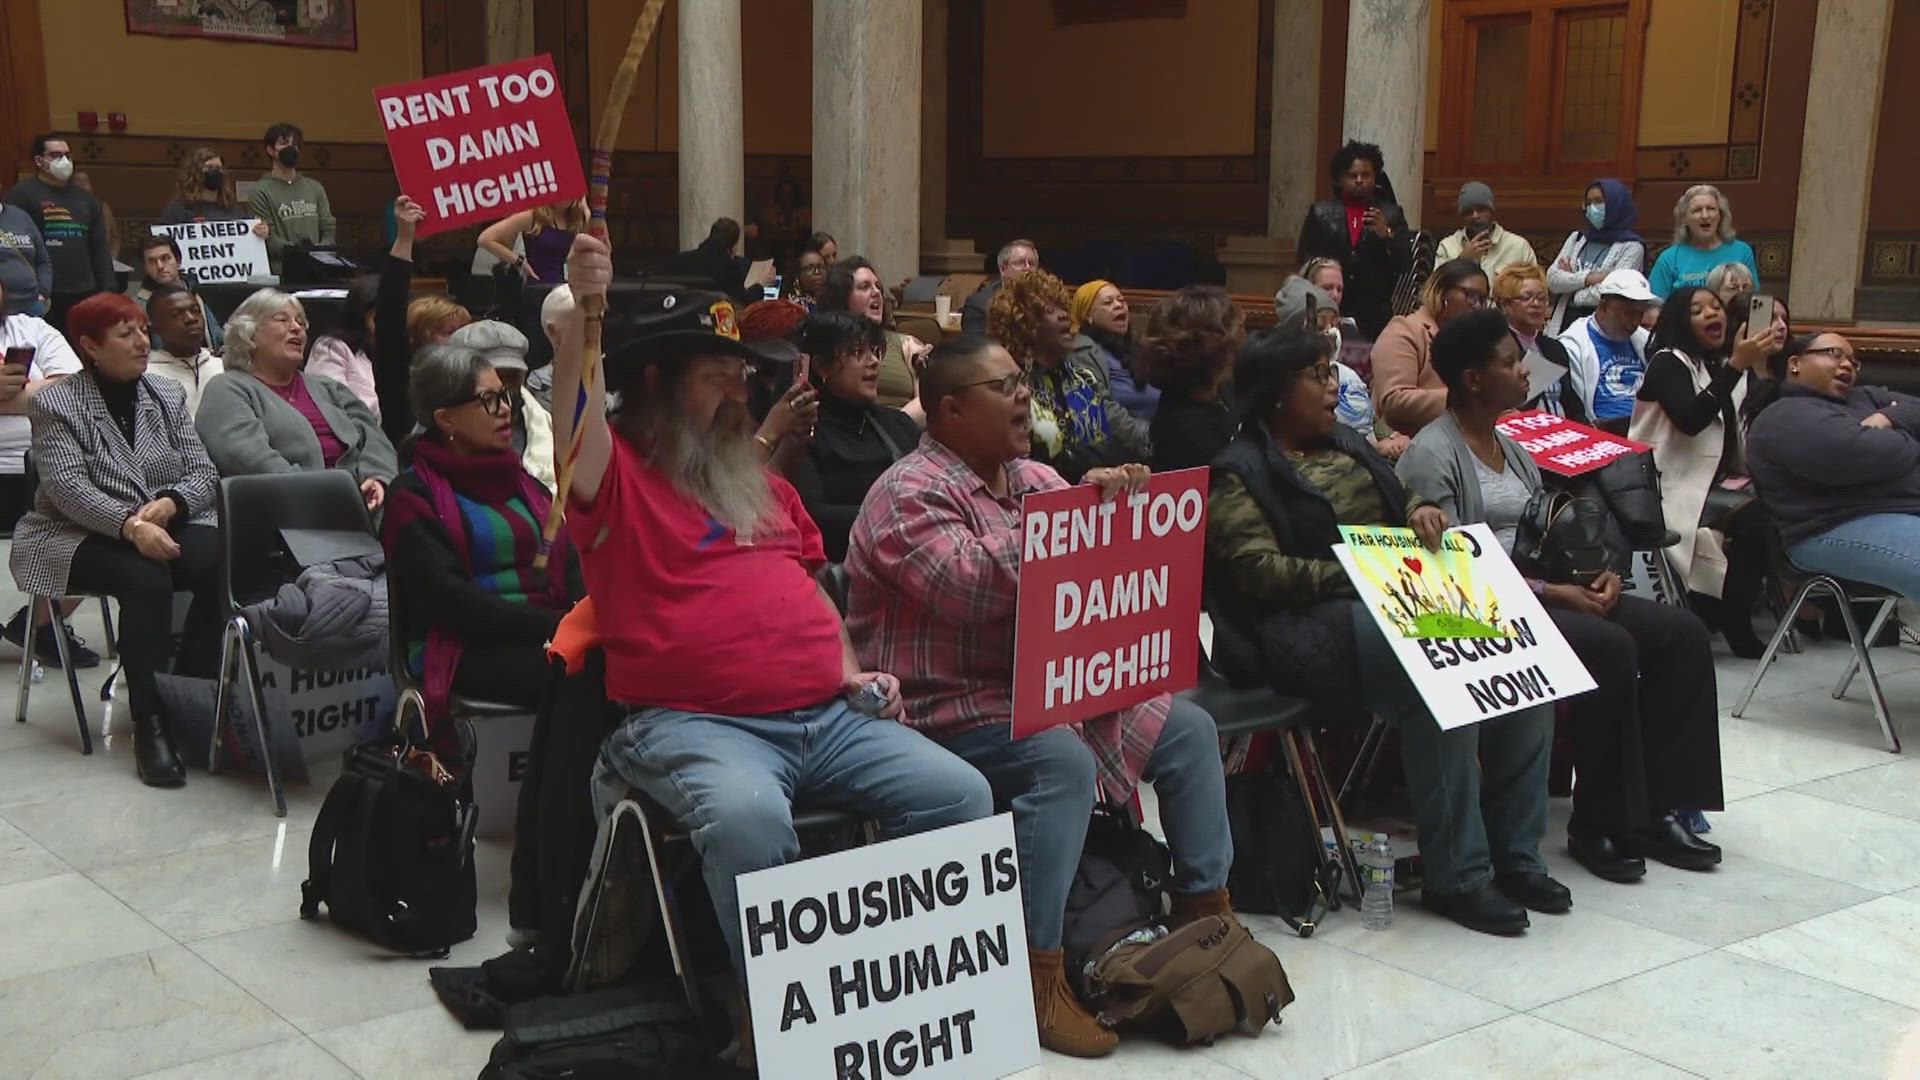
x=771 y=290
x=1477 y=229
x=20 y=356
x=1759 y=313
x=802 y=370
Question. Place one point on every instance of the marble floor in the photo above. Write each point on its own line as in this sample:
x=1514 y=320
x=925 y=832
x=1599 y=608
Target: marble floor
x=156 y=933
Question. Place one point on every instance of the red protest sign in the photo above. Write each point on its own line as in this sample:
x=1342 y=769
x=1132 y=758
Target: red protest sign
x=1109 y=608
x=1561 y=446
x=481 y=144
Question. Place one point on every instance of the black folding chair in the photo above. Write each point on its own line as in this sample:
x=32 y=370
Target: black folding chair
x=255 y=560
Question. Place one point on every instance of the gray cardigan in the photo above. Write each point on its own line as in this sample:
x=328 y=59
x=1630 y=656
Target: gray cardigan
x=249 y=429
x=1438 y=466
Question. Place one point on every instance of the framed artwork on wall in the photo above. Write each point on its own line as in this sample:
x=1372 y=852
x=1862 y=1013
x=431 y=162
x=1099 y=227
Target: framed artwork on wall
x=309 y=24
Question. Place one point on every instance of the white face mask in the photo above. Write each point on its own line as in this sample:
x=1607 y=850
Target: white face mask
x=60 y=168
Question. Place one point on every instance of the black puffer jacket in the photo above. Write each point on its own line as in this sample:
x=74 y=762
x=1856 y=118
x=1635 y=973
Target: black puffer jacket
x=1308 y=648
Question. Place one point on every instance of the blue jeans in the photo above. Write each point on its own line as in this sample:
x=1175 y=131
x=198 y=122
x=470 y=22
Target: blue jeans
x=731 y=781
x=1049 y=781
x=1879 y=549
x=1479 y=791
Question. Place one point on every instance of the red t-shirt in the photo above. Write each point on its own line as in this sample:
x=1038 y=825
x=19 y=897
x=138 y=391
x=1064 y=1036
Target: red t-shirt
x=690 y=618
x=1356 y=218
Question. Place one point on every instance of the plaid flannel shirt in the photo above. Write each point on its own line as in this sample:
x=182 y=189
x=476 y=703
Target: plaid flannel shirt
x=934 y=562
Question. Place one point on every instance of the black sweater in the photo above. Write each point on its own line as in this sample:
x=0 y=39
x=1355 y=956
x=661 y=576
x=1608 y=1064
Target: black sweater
x=1817 y=468
x=848 y=453
x=1189 y=434
x=75 y=232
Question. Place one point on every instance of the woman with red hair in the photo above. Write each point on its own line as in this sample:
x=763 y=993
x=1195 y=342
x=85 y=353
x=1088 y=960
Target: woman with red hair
x=125 y=508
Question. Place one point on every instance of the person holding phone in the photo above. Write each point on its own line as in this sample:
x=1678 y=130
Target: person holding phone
x=1363 y=231
x=1688 y=409
x=855 y=438
x=1481 y=238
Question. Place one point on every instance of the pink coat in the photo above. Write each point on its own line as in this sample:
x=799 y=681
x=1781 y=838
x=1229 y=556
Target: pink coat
x=331 y=357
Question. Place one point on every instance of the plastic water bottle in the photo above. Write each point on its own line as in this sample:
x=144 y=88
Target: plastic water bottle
x=1376 y=865
x=39 y=673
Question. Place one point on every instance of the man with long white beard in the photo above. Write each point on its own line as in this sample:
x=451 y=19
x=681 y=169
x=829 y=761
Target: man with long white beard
x=737 y=677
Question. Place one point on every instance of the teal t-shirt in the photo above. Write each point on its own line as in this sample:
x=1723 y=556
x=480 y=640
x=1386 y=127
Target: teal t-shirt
x=1684 y=264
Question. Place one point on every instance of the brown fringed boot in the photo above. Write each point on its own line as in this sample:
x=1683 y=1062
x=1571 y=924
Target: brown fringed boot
x=1065 y=1026
x=1188 y=908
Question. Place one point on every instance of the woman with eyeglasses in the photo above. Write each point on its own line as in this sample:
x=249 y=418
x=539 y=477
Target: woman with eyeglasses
x=264 y=415
x=855 y=438
x=807 y=278
x=1406 y=390
x=462 y=528
x=1839 y=468
x=1521 y=293
x=1286 y=615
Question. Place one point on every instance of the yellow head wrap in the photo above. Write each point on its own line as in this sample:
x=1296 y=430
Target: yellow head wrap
x=1083 y=301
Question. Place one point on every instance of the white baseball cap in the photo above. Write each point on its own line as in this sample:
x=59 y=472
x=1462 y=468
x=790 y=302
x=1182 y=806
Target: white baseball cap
x=1628 y=285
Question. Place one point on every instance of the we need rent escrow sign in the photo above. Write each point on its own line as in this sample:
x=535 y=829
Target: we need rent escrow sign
x=481 y=144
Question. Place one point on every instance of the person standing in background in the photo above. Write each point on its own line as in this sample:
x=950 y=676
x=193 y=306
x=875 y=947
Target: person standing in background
x=1605 y=243
x=204 y=191
x=1703 y=238
x=26 y=269
x=71 y=225
x=1362 y=230
x=294 y=207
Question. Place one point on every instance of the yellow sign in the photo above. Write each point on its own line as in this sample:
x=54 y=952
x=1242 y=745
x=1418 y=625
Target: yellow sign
x=1422 y=593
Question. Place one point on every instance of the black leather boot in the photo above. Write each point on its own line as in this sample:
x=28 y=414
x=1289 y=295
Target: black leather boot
x=153 y=756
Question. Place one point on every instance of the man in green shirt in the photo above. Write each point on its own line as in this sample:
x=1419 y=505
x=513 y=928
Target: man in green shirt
x=295 y=207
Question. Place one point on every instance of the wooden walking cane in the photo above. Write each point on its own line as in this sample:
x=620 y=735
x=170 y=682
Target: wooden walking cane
x=595 y=307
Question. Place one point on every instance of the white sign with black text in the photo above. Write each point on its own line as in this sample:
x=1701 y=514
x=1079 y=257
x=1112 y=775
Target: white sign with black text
x=216 y=251
x=907 y=958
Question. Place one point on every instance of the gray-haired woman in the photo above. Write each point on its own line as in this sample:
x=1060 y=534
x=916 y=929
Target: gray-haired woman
x=1703 y=238
x=263 y=415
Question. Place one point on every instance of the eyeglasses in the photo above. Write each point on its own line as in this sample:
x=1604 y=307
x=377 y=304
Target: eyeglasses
x=726 y=374
x=492 y=402
x=1838 y=352
x=1474 y=297
x=287 y=318
x=815 y=268
x=1005 y=386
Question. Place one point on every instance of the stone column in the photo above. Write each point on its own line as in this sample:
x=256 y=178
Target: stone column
x=1386 y=100
x=866 y=130
x=938 y=253
x=1836 y=156
x=1258 y=264
x=509 y=30
x=712 y=146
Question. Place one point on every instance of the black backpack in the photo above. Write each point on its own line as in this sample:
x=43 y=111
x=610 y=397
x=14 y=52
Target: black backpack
x=643 y=1031
x=1120 y=886
x=392 y=851
x=1279 y=864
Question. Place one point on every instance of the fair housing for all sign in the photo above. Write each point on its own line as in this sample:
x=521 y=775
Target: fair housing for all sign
x=213 y=251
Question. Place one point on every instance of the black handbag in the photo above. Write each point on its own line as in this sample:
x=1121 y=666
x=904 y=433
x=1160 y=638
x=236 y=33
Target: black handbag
x=1562 y=539
x=1279 y=864
x=1724 y=504
x=392 y=850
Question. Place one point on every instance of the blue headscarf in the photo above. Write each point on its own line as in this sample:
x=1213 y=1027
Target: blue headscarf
x=1622 y=216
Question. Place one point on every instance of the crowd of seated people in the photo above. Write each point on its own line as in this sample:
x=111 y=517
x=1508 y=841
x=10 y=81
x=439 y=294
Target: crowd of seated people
x=717 y=474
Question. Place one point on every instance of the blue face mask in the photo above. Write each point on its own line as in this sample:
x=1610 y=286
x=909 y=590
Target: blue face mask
x=1596 y=215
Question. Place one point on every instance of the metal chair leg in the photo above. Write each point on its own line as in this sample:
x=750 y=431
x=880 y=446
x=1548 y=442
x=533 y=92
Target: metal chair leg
x=222 y=691
x=1336 y=820
x=26 y=662
x=64 y=647
x=250 y=672
x=1873 y=634
x=669 y=908
x=1362 y=766
x=1780 y=634
x=106 y=624
x=1860 y=651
